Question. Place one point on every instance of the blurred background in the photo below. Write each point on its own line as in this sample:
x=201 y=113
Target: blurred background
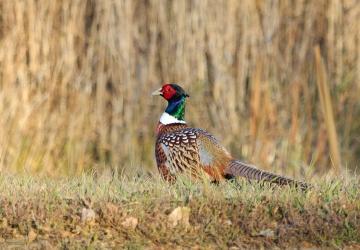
x=278 y=82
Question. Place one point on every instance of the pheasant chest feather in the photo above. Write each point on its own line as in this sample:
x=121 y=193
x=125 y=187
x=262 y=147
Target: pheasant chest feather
x=188 y=149
x=179 y=139
x=180 y=150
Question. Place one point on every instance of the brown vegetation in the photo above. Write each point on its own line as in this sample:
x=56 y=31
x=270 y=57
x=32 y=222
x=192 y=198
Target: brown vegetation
x=76 y=78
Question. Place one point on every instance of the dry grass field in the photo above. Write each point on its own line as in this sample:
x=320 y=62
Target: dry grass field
x=277 y=82
x=76 y=78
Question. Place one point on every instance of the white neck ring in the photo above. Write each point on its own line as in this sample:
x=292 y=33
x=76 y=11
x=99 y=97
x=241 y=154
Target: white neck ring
x=169 y=119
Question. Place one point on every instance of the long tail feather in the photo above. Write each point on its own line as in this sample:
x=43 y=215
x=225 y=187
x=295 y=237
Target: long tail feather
x=238 y=168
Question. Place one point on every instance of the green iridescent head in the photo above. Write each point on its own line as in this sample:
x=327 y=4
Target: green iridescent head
x=176 y=97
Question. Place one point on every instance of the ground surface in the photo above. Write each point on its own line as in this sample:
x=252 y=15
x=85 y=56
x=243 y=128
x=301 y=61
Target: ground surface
x=147 y=213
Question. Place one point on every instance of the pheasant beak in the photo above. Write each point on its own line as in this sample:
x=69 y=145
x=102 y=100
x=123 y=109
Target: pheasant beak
x=157 y=92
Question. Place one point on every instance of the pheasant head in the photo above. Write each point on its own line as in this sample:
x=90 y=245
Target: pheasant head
x=176 y=98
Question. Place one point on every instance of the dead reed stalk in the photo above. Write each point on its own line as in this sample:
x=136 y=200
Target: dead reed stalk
x=327 y=110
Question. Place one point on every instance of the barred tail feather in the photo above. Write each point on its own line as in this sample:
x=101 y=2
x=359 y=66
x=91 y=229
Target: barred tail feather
x=238 y=168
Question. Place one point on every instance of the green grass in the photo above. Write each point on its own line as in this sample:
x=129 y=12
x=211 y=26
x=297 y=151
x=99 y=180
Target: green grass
x=42 y=212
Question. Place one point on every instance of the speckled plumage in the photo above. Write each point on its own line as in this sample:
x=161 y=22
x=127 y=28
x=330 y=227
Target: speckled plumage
x=180 y=148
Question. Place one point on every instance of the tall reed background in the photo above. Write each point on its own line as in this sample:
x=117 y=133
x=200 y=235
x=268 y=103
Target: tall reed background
x=278 y=82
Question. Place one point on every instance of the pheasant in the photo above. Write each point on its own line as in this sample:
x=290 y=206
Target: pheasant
x=180 y=148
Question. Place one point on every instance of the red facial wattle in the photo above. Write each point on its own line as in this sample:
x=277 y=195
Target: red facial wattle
x=168 y=92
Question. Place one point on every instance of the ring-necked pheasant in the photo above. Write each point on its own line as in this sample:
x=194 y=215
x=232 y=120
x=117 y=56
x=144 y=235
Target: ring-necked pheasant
x=180 y=148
